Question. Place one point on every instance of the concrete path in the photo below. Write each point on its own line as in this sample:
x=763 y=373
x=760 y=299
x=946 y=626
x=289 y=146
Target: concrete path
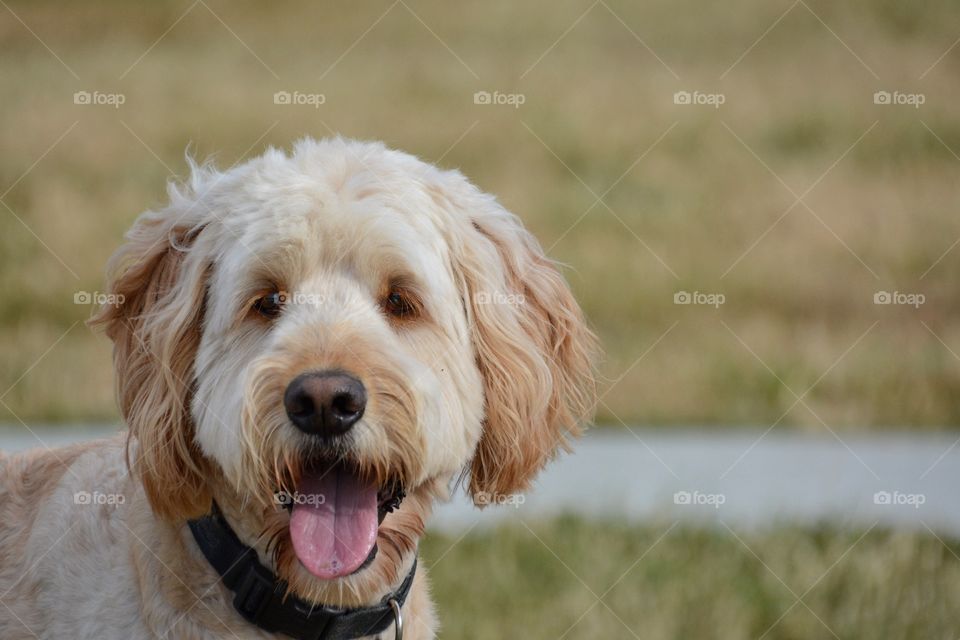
x=740 y=478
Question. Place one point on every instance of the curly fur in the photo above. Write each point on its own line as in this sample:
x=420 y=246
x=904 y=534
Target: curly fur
x=490 y=379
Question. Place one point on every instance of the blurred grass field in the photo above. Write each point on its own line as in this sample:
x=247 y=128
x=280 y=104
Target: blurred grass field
x=661 y=583
x=690 y=192
x=693 y=199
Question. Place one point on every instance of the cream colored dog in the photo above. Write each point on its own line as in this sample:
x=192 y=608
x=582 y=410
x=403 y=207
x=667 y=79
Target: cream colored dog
x=339 y=327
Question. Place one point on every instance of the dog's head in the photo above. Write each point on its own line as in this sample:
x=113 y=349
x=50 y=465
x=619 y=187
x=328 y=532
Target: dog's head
x=307 y=338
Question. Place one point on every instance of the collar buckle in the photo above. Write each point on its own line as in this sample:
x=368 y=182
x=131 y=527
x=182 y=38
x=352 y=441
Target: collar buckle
x=257 y=591
x=254 y=591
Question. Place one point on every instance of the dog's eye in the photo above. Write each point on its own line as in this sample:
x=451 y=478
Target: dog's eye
x=270 y=305
x=400 y=304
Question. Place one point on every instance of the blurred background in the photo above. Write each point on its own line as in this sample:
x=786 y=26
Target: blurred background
x=755 y=203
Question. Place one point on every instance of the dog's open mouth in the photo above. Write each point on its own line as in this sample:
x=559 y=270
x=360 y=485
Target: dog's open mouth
x=334 y=517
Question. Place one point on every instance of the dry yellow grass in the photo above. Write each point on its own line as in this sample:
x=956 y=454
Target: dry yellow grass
x=573 y=579
x=691 y=188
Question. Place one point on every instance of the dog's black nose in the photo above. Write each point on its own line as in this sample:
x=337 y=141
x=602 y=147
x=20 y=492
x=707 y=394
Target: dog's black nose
x=325 y=403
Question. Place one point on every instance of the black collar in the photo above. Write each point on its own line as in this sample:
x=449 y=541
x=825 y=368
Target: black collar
x=259 y=594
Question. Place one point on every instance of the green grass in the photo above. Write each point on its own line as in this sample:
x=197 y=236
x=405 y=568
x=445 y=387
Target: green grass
x=679 y=219
x=545 y=581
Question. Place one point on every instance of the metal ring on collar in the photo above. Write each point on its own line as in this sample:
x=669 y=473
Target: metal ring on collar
x=397 y=618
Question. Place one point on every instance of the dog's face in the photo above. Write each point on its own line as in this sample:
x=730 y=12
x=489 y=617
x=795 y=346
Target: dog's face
x=307 y=339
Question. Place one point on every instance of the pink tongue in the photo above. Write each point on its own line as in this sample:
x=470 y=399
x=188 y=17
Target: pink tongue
x=334 y=523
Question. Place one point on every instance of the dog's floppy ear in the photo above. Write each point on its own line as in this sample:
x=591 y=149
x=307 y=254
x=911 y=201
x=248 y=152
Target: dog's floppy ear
x=533 y=347
x=159 y=285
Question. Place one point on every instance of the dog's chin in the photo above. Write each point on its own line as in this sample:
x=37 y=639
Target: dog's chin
x=335 y=512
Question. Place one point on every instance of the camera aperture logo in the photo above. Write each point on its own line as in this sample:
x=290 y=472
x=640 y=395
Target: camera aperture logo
x=897 y=498
x=98 y=98
x=497 y=98
x=698 y=498
x=897 y=297
x=297 y=98
x=98 y=298
x=699 y=298
x=289 y=499
x=899 y=98
x=484 y=498
x=699 y=98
